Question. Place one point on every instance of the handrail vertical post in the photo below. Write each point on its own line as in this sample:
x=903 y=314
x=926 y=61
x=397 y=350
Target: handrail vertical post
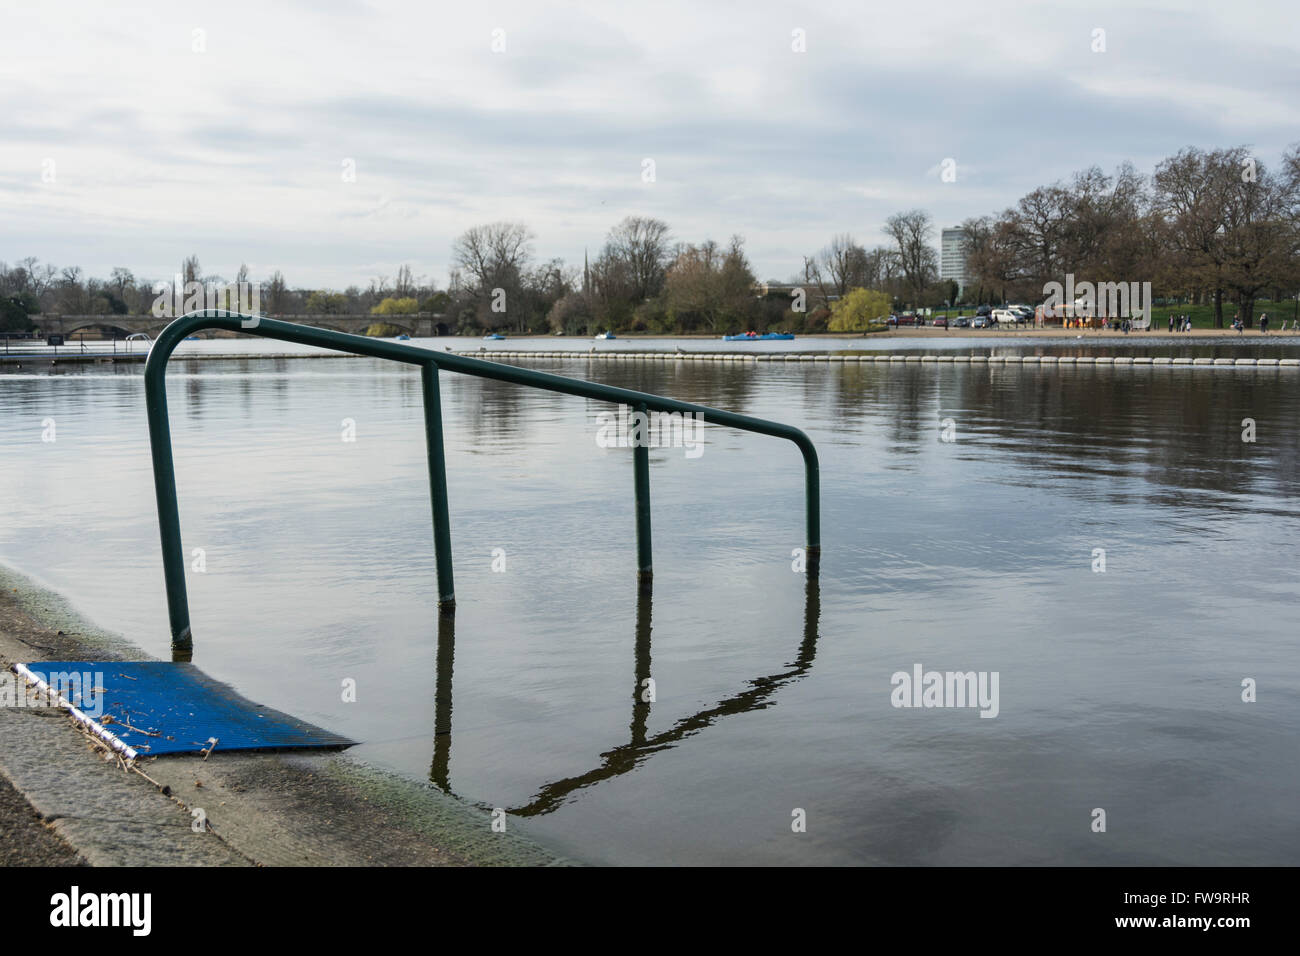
x=438 y=488
x=169 y=521
x=641 y=469
x=813 y=505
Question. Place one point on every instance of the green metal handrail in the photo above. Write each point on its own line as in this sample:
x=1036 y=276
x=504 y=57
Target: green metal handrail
x=430 y=362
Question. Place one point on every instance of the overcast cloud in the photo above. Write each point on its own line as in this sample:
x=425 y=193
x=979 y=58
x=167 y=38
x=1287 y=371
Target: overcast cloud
x=236 y=153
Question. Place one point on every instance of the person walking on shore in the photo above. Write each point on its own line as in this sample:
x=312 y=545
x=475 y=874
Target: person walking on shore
x=1263 y=323
x=1171 y=322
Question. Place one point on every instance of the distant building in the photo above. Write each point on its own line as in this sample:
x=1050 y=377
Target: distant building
x=952 y=258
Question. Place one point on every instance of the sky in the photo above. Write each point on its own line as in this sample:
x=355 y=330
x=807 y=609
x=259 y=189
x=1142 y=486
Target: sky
x=336 y=140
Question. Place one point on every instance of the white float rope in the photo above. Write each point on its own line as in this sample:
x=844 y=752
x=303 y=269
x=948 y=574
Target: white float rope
x=893 y=357
x=96 y=728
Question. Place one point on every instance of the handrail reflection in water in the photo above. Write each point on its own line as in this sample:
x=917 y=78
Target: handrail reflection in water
x=628 y=756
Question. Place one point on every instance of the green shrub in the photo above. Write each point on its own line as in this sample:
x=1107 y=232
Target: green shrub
x=391 y=306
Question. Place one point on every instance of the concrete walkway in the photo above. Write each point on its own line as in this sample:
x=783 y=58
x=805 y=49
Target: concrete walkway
x=25 y=839
x=62 y=801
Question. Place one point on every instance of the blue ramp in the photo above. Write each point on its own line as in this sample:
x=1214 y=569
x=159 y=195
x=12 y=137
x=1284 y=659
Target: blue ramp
x=151 y=708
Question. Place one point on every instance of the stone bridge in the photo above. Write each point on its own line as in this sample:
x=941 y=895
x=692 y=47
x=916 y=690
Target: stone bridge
x=423 y=325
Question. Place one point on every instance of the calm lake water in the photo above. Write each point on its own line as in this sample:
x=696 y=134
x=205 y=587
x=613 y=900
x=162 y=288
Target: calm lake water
x=1119 y=690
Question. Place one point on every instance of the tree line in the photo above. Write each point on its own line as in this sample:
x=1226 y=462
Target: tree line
x=1205 y=226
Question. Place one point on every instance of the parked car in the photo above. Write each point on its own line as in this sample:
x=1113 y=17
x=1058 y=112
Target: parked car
x=984 y=310
x=981 y=322
x=909 y=318
x=961 y=322
x=940 y=323
x=1006 y=317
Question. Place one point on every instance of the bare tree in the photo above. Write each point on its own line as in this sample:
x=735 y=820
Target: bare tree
x=1192 y=194
x=1100 y=235
x=492 y=261
x=991 y=247
x=1259 y=235
x=1036 y=233
x=404 y=284
x=913 y=233
x=879 y=269
x=491 y=254
x=36 y=278
x=121 y=280
x=72 y=297
x=275 y=292
x=814 y=275
x=640 y=247
x=711 y=283
x=844 y=264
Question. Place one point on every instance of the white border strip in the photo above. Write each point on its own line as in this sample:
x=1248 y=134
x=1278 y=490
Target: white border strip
x=99 y=730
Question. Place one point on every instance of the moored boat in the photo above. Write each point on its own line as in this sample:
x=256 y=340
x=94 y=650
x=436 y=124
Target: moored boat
x=755 y=337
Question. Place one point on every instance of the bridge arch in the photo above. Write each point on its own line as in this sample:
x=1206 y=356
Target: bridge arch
x=129 y=326
x=354 y=324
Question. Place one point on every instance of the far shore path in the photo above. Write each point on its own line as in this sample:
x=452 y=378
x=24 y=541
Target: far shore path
x=1095 y=334
x=928 y=332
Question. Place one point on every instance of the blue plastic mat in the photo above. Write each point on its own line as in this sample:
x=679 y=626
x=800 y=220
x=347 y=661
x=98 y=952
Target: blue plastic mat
x=148 y=708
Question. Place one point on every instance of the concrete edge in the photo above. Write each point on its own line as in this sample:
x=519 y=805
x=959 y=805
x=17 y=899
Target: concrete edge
x=292 y=808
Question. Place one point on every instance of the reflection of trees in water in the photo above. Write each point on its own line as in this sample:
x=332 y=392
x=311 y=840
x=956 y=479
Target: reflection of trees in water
x=278 y=384
x=489 y=412
x=494 y=414
x=859 y=391
x=1181 y=429
x=193 y=391
x=727 y=385
x=640 y=745
x=264 y=384
x=1177 y=428
x=1172 y=427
